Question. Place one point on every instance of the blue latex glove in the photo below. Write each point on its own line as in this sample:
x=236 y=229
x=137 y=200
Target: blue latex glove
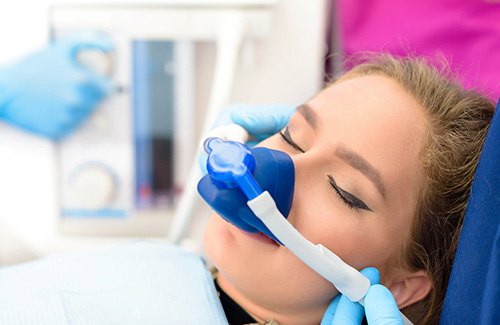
x=380 y=306
x=48 y=93
x=261 y=121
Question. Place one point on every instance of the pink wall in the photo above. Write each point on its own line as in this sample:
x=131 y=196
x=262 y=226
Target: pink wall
x=465 y=32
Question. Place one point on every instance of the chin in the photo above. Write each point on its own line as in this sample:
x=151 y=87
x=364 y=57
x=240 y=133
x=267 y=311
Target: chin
x=284 y=283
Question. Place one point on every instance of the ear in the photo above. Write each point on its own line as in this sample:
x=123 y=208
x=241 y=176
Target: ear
x=409 y=288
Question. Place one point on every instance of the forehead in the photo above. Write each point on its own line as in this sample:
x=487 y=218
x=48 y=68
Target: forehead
x=376 y=118
x=372 y=93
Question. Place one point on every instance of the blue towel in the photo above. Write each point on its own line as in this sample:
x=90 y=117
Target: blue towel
x=137 y=283
x=473 y=295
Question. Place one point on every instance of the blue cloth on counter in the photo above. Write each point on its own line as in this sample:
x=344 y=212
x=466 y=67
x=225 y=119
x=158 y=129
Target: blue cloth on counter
x=136 y=283
x=473 y=295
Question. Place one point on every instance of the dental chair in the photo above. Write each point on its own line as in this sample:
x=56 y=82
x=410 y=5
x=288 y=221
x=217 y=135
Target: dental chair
x=155 y=283
x=473 y=295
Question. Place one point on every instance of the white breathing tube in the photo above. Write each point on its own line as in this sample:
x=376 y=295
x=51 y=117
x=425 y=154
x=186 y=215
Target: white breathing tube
x=348 y=281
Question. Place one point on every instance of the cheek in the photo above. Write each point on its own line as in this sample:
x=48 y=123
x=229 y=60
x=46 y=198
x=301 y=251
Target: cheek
x=359 y=240
x=221 y=241
x=215 y=239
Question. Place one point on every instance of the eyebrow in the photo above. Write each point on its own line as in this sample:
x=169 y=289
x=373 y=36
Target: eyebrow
x=350 y=157
x=359 y=163
x=309 y=115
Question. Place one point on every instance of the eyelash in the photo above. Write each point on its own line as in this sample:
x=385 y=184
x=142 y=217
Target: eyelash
x=285 y=135
x=353 y=203
x=333 y=186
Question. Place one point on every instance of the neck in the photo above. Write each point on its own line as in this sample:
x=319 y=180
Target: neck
x=262 y=313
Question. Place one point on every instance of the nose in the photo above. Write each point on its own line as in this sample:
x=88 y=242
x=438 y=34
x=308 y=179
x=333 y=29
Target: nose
x=303 y=165
x=274 y=172
x=307 y=167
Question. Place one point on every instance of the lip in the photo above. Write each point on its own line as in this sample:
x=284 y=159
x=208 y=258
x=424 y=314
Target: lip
x=261 y=237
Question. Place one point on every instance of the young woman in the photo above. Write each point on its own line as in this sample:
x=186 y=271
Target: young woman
x=384 y=159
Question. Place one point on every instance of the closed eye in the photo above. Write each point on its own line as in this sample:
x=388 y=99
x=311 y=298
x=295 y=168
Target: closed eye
x=285 y=135
x=349 y=199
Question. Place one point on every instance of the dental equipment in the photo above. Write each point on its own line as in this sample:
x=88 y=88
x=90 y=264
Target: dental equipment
x=232 y=165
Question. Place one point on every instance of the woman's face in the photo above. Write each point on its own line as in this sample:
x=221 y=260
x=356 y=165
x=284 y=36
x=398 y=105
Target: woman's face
x=355 y=147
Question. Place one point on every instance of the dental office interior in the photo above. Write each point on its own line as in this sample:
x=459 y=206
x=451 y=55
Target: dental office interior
x=207 y=55
x=129 y=173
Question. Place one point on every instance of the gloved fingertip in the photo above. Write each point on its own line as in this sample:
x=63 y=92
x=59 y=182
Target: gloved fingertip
x=330 y=311
x=372 y=274
x=381 y=307
x=287 y=111
x=379 y=292
x=348 y=313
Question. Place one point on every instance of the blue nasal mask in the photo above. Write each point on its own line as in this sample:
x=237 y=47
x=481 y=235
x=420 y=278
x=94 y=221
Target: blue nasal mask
x=234 y=169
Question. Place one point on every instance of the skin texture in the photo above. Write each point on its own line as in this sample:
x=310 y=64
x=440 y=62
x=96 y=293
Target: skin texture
x=375 y=118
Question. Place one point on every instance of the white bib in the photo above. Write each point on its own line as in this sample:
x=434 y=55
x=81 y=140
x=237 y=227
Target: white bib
x=137 y=283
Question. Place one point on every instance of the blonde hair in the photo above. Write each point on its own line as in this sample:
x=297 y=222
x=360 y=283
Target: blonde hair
x=458 y=121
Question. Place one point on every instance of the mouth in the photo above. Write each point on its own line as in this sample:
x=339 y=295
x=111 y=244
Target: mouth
x=261 y=237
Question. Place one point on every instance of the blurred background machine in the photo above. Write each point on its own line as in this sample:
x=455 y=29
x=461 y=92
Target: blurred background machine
x=176 y=64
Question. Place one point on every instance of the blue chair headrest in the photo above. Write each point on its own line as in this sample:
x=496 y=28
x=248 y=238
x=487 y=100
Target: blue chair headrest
x=473 y=295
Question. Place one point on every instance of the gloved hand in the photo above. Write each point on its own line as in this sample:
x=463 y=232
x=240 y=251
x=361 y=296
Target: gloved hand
x=261 y=121
x=380 y=306
x=49 y=93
